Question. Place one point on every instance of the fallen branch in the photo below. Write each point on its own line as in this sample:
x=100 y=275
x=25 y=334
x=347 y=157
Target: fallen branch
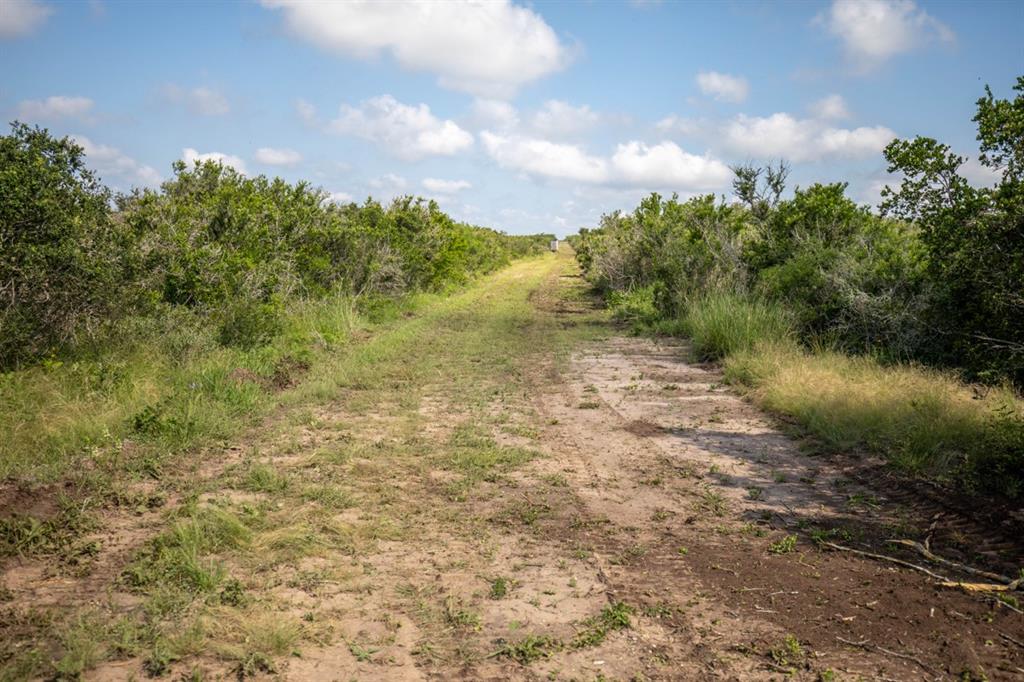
x=928 y=554
x=868 y=646
x=882 y=557
x=1011 y=639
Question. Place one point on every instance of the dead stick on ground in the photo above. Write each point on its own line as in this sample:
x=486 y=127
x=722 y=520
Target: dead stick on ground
x=928 y=554
x=882 y=557
x=1011 y=639
x=868 y=646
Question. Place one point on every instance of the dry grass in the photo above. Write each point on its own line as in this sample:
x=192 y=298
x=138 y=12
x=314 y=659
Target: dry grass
x=924 y=420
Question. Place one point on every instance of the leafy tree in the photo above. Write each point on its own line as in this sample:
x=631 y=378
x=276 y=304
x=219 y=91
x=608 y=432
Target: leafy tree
x=974 y=237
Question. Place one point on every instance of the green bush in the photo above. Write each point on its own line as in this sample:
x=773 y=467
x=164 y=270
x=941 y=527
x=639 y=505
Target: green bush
x=63 y=257
x=79 y=268
x=247 y=324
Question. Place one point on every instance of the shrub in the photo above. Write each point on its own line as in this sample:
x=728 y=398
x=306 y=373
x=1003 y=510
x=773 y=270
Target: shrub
x=247 y=324
x=62 y=256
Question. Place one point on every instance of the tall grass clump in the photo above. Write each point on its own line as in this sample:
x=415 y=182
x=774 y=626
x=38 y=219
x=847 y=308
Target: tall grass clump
x=925 y=421
x=720 y=324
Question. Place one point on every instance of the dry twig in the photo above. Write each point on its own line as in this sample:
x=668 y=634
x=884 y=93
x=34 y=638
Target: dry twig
x=868 y=646
x=928 y=554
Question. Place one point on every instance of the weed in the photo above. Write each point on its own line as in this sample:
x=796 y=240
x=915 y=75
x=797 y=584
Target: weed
x=613 y=617
x=459 y=617
x=788 y=652
x=786 y=545
x=712 y=502
x=530 y=648
x=500 y=587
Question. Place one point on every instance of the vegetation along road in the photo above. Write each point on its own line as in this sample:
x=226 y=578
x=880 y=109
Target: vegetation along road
x=503 y=484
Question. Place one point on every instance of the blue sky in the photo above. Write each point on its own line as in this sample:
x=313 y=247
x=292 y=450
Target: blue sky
x=525 y=117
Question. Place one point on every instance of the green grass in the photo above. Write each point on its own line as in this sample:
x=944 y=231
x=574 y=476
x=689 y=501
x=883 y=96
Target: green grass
x=720 y=324
x=167 y=387
x=276 y=502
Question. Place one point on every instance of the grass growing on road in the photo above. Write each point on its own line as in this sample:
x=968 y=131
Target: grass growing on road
x=382 y=437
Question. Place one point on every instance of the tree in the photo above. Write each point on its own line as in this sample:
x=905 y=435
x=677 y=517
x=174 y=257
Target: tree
x=974 y=237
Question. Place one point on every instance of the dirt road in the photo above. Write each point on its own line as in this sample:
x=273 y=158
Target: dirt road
x=507 y=487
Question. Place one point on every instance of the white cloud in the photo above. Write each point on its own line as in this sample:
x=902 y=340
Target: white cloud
x=486 y=48
x=495 y=114
x=389 y=181
x=306 y=112
x=340 y=198
x=875 y=30
x=191 y=156
x=831 y=107
x=21 y=17
x=722 y=86
x=445 y=186
x=407 y=132
x=978 y=174
x=783 y=136
x=633 y=164
x=110 y=160
x=58 y=106
x=541 y=157
x=667 y=165
x=560 y=119
x=678 y=124
x=202 y=100
x=278 y=157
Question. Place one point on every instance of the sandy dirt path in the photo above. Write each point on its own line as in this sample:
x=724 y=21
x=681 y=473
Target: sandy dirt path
x=511 y=488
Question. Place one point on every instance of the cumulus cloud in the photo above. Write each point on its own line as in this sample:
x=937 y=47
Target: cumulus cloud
x=408 y=132
x=445 y=186
x=722 y=86
x=278 y=157
x=389 y=181
x=831 y=107
x=58 y=106
x=306 y=112
x=545 y=158
x=485 y=48
x=561 y=119
x=678 y=124
x=22 y=17
x=872 y=31
x=632 y=164
x=191 y=156
x=784 y=136
x=495 y=114
x=112 y=161
x=202 y=100
x=667 y=165
x=340 y=198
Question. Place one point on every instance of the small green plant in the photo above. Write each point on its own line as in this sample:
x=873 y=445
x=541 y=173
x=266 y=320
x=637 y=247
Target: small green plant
x=500 y=587
x=615 y=616
x=788 y=652
x=786 y=545
x=530 y=648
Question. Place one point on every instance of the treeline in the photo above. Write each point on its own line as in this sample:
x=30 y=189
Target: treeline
x=936 y=277
x=77 y=261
